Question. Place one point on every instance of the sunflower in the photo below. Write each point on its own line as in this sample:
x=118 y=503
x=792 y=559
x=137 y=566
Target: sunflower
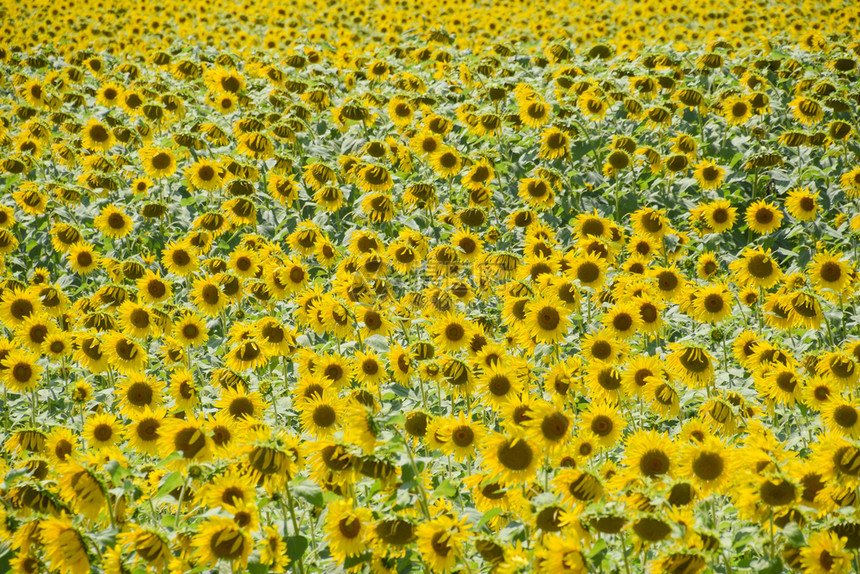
x=248 y=354
x=670 y=282
x=446 y=162
x=825 y=553
x=779 y=383
x=802 y=204
x=205 y=174
x=578 y=487
x=20 y=372
x=498 y=384
x=207 y=297
x=605 y=422
x=536 y=192
x=349 y=530
x=321 y=415
x=32 y=333
x=95 y=136
x=592 y=225
x=152 y=288
x=180 y=258
x=148 y=545
x=736 y=110
x=592 y=106
x=713 y=303
x=719 y=215
x=452 y=333
x=372 y=321
x=763 y=217
x=708 y=174
x=124 y=353
x=650 y=454
x=61 y=444
x=241 y=404
x=101 y=430
x=555 y=144
x=157 y=162
x=137 y=320
x=187 y=437
x=369 y=369
x=756 y=267
x=513 y=459
x=137 y=392
x=143 y=433
x=623 y=320
x=222 y=539
x=378 y=207
x=850 y=182
x=708 y=464
x=82 y=488
x=692 y=363
x=190 y=330
x=547 y=320
x=827 y=270
x=534 y=113
x=842 y=416
x=110 y=94
x=17 y=305
x=805 y=110
x=440 y=542
x=65 y=547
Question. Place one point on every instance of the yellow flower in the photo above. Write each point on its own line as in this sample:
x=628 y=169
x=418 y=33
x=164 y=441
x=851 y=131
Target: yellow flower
x=763 y=217
x=349 y=530
x=157 y=162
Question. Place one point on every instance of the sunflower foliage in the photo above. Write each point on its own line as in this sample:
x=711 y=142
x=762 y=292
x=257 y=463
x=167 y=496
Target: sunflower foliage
x=437 y=287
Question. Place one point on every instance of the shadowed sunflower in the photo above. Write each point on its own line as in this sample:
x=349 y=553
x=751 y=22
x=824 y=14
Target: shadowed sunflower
x=221 y=538
x=511 y=458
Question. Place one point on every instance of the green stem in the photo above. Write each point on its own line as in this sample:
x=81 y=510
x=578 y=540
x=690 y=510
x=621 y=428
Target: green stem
x=179 y=506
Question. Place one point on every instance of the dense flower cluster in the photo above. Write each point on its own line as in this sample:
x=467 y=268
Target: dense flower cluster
x=436 y=287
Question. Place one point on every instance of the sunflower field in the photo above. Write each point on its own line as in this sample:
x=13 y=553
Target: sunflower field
x=422 y=287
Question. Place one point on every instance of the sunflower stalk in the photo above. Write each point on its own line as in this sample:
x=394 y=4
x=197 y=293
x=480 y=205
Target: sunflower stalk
x=299 y=563
x=178 y=518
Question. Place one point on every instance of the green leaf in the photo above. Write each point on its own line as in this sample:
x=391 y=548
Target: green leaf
x=116 y=472
x=296 y=546
x=257 y=568
x=794 y=535
x=445 y=490
x=356 y=560
x=170 y=482
x=309 y=492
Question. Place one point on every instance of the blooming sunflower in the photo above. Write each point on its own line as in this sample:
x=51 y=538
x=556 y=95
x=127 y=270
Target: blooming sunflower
x=547 y=319
x=650 y=454
x=157 y=162
x=605 y=422
x=440 y=541
x=20 y=371
x=95 y=136
x=737 y=110
x=349 y=530
x=220 y=538
x=692 y=363
x=709 y=174
x=205 y=174
x=828 y=270
x=756 y=267
x=513 y=459
x=65 y=548
x=802 y=204
x=763 y=217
